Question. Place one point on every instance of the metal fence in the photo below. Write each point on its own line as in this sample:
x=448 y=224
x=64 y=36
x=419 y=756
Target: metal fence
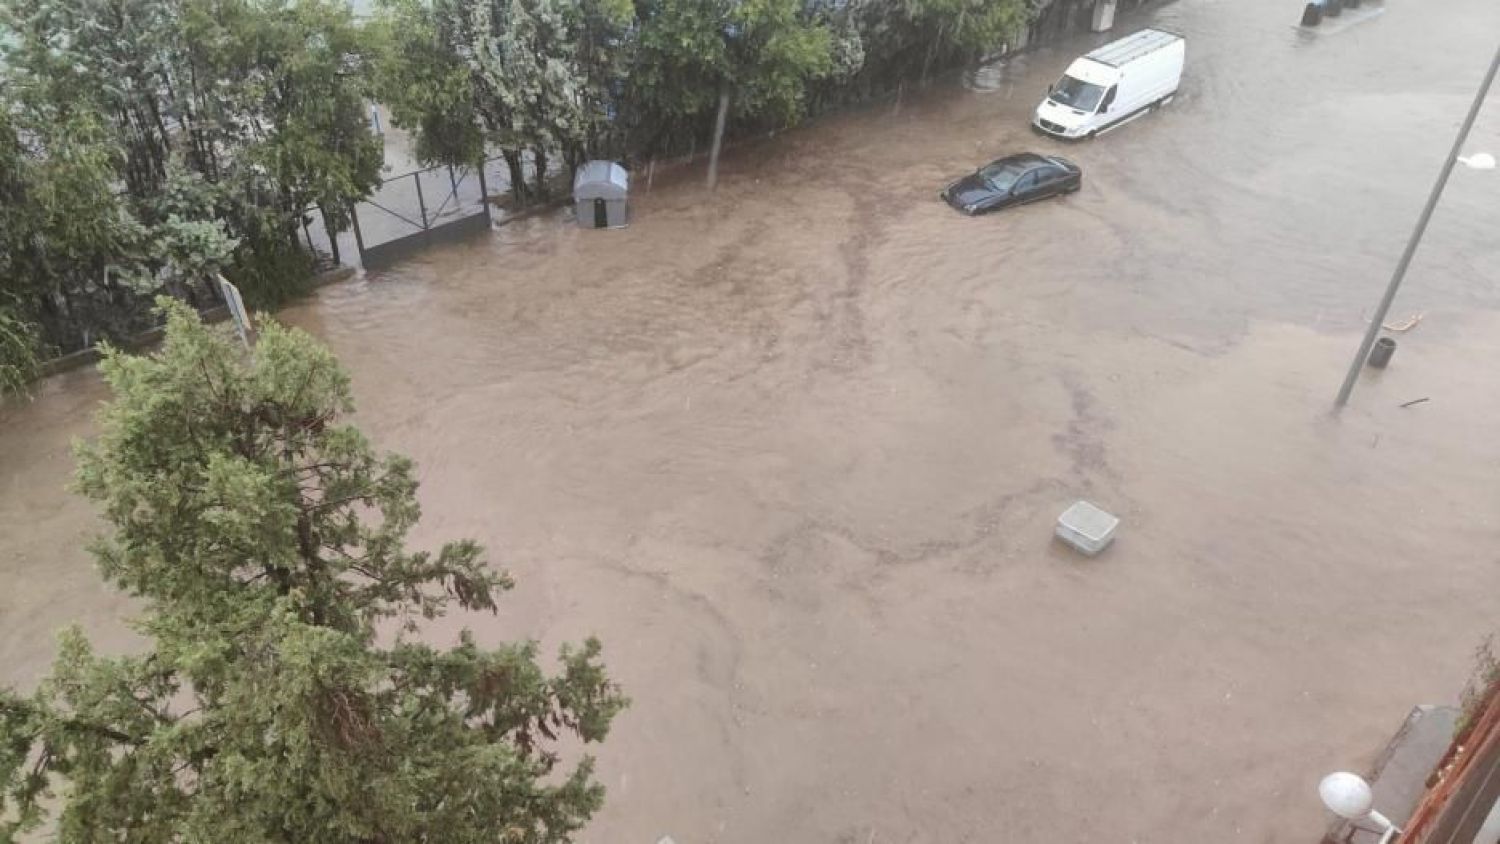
x=415 y=210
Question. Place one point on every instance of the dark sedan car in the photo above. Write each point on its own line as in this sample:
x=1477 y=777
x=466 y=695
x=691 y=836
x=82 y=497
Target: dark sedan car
x=1013 y=180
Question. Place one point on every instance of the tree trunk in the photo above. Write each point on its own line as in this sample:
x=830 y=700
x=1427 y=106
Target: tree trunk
x=574 y=154
x=713 y=155
x=517 y=176
x=539 y=156
x=931 y=49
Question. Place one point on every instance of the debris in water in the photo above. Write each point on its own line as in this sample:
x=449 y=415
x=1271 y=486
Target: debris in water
x=1411 y=322
x=1087 y=528
x=1416 y=401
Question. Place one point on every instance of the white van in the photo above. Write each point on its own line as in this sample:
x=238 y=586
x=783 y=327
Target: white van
x=1113 y=85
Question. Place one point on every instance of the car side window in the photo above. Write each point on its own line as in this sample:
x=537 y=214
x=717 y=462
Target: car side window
x=1109 y=98
x=1026 y=182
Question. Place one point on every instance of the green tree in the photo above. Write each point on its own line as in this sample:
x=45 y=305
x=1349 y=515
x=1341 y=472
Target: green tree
x=285 y=695
x=603 y=35
x=18 y=361
x=530 y=89
x=277 y=92
x=705 y=57
x=911 y=38
x=314 y=143
x=260 y=104
x=72 y=254
x=18 y=336
x=535 y=76
x=427 y=86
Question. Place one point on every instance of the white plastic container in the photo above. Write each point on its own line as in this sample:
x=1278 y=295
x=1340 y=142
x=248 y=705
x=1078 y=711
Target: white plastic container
x=1087 y=528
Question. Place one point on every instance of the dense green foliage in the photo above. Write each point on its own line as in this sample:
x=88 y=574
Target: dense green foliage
x=912 y=38
x=634 y=78
x=146 y=144
x=18 y=358
x=286 y=695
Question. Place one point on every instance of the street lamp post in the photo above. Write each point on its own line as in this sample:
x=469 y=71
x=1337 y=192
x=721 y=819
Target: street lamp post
x=1416 y=236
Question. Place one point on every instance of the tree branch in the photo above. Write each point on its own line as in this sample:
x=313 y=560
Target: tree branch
x=75 y=724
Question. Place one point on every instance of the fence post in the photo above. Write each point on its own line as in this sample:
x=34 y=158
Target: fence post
x=484 y=193
x=421 y=204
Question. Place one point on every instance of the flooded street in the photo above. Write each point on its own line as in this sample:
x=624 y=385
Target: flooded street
x=794 y=451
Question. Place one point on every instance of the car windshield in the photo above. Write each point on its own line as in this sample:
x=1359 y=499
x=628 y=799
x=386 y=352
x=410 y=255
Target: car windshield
x=1001 y=174
x=1077 y=94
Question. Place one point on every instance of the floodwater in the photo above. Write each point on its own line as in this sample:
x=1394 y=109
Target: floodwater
x=794 y=451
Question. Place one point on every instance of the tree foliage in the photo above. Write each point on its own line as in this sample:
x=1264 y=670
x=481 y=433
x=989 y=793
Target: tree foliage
x=71 y=251
x=529 y=77
x=639 y=77
x=763 y=53
x=908 y=39
x=18 y=353
x=159 y=141
x=286 y=695
x=148 y=144
x=424 y=81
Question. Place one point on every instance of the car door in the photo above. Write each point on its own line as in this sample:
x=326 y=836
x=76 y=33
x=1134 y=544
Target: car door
x=1050 y=180
x=1026 y=188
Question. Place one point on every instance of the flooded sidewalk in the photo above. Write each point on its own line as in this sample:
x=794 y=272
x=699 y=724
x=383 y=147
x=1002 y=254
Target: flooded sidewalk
x=794 y=451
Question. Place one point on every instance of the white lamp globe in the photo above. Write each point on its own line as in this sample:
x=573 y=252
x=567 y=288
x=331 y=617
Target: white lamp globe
x=1346 y=795
x=1478 y=161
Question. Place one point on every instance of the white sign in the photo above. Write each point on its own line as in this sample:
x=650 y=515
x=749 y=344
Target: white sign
x=237 y=310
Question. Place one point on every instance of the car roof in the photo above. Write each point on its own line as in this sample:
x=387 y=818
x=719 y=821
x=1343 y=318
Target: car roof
x=1022 y=159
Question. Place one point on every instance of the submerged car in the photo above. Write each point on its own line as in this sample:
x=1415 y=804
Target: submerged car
x=1013 y=180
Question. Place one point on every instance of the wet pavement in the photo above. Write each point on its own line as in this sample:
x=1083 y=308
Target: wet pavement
x=794 y=452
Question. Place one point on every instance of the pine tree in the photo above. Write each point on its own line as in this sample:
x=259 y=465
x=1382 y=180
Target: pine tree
x=286 y=695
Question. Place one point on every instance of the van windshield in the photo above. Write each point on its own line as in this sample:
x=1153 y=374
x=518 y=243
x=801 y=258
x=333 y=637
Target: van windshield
x=1076 y=93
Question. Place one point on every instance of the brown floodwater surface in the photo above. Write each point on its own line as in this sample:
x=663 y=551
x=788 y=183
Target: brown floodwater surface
x=794 y=451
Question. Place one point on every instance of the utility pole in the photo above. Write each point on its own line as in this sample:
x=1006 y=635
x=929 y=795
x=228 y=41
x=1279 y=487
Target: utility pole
x=713 y=154
x=1416 y=238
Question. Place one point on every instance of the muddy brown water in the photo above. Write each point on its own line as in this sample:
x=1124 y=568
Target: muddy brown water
x=794 y=452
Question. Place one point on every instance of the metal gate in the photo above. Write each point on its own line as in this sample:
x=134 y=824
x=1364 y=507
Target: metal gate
x=415 y=210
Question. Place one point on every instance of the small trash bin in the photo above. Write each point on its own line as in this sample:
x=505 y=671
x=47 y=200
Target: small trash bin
x=1381 y=354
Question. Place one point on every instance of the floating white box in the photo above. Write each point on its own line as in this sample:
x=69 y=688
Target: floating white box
x=1086 y=528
